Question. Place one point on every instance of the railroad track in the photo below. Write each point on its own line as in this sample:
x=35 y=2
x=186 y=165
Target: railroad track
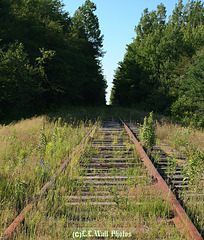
x=172 y=169
x=115 y=193
x=111 y=170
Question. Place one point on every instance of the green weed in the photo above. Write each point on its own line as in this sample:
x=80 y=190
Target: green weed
x=147 y=132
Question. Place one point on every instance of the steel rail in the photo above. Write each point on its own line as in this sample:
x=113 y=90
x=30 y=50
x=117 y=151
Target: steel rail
x=78 y=149
x=181 y=219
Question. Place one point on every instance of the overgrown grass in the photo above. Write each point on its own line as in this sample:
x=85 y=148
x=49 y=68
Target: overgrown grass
x=186 y=147
x=140 y=209
x=30 y=153
x=180 y=138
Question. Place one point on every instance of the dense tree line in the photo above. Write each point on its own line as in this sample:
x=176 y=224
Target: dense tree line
x=163 y=68
x=47 y=57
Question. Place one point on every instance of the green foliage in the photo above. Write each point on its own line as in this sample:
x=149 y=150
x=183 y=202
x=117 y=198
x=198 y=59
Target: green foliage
x=48 y=58
x=194 y=168
x=85 y=30
x=42 y=141
x=147 y=132
x=21 y=82
x=171 y=167
x=86 y=25
x=189 y=107
x=19 y=192
x=163 y=67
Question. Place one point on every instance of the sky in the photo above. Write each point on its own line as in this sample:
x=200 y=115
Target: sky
x=117 y=19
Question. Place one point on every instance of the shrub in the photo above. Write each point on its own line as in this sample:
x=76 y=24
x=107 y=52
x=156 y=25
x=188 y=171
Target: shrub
x=147 y=132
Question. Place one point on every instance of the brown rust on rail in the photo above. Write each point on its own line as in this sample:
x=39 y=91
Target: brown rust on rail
x=181 y=220
x=7 y=233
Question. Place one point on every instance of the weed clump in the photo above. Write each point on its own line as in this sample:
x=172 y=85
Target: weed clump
x=147 y=132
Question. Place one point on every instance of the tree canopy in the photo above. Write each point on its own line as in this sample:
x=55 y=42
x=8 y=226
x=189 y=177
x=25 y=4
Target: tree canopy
x=162 y=69
x=48 y=58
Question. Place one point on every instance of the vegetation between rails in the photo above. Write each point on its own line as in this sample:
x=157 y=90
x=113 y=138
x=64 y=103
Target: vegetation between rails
x=187 y=143
x=25 y=142
x=55 y=218
x=185 y=146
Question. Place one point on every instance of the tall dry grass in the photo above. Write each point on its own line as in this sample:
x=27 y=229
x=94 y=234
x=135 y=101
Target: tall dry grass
x=30 y=153
x=178 y=137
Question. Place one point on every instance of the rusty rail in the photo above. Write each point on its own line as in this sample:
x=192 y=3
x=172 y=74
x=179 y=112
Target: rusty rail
x=181 y=219
x=7 y=233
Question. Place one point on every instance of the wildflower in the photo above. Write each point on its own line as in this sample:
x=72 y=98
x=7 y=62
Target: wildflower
x=41 y=161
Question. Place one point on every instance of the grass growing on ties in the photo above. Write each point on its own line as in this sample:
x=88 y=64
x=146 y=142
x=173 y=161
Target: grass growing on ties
x=185 y=145
x=33 y=149
x=139 y=207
